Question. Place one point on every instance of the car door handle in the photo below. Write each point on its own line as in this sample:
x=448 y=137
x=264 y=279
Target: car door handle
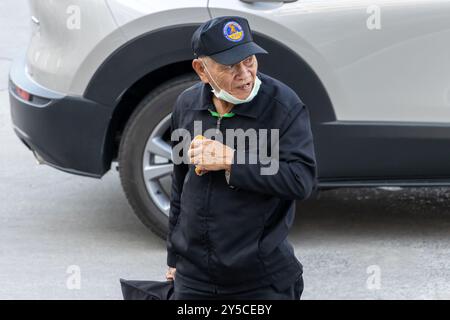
x=255 y=1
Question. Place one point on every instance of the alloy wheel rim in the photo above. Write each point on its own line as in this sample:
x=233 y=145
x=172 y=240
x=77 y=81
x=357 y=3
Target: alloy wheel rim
x=157 y=165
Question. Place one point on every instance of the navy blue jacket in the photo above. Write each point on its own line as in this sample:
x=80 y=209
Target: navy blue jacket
x=231 y=237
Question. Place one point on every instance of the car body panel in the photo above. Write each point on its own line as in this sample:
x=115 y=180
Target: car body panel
x=63 y=55
x=379 y=99
x=65 y=34
x=400 y=72
x=65 y=132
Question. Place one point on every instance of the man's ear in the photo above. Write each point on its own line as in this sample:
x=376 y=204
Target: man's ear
x=200 y=70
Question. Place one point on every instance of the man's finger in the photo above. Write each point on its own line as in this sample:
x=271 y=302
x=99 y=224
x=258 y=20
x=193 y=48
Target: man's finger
x=197 y=159
x=197 y=142
x=192 y=152
x=200 y=142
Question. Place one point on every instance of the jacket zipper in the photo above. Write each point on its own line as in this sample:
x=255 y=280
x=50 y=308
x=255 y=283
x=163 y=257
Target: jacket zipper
x=219 y=118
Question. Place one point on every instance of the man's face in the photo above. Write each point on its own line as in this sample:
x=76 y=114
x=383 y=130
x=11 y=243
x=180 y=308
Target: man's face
x=237 y=79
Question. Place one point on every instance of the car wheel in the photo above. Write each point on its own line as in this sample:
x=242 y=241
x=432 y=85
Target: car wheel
x=145 y=164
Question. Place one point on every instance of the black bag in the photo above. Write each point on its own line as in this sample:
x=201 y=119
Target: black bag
x=146 y=289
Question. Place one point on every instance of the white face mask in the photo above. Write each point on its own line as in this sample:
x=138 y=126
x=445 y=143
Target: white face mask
x=226 y=96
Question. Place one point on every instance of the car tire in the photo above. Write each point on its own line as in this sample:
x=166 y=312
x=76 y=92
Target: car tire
x=148 y=116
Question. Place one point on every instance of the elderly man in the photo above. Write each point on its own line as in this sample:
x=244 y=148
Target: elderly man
x=229 y=219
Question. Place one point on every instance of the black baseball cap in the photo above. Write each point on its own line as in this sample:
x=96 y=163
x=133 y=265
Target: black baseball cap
x=227 y=40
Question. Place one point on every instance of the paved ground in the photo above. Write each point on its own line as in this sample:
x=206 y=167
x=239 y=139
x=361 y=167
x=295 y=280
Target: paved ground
x=354 y=244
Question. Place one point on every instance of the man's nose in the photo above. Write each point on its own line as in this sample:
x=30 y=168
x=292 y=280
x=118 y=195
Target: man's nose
x=242 y=71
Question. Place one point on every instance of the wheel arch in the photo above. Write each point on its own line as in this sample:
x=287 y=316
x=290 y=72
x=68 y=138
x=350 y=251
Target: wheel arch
x=141 y=64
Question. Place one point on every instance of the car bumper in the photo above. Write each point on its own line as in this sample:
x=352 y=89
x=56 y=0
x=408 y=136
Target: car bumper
x=65 y=132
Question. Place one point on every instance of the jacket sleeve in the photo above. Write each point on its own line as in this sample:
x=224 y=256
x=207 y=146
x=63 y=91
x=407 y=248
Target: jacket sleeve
x=296 y=177
x=178 y=175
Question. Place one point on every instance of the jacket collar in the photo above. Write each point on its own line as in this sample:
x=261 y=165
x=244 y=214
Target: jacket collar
x=250 y=109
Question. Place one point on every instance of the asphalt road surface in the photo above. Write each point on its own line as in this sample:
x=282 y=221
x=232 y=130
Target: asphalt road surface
x=69 y=237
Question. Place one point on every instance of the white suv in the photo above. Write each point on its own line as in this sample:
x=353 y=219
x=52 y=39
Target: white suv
x=99 y=79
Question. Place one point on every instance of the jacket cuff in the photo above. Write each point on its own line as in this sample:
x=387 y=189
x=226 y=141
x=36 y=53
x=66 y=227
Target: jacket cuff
x=236 y=168
x=171 y=259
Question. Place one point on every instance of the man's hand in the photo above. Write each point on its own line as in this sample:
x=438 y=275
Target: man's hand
x=170 y=274
x=199 y=170
x=210 y=155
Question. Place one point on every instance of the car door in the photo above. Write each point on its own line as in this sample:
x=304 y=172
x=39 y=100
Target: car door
x=384 y=66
